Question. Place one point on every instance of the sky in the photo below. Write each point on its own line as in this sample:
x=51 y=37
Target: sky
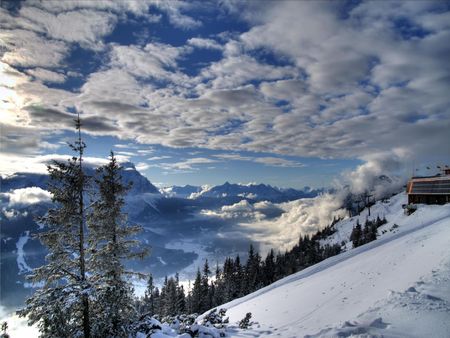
x=289 y=93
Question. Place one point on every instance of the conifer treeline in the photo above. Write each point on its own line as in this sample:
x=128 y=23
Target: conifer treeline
x=369 y=233
x=235 y=279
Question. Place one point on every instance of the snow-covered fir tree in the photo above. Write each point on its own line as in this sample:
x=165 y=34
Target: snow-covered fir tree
x=60 y=307
x=111 y=242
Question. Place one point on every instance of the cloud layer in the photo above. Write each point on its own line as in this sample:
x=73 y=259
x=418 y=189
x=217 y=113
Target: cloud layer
x=315 y=79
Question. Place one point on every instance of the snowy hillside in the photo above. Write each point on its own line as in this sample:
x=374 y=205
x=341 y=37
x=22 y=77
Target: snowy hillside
x=396 y=286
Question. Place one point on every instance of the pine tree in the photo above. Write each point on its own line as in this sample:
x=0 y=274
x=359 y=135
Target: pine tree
x=189 y=307
x=269 y=268
x=356 y=235
x=111 y=244
x=149 y=296
x=219 y=292
x=206 y=301
x=197 y=293
x=181 y=297
x=237 y=280
x=228 y=280
x=61 y=306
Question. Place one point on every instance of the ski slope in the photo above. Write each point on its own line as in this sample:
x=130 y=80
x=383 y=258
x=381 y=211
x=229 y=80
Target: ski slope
x=396 y=286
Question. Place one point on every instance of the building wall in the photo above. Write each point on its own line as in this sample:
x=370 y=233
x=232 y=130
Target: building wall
x=428 y=199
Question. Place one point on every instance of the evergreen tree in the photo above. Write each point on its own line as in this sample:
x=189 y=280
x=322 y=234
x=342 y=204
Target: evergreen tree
x=228 y=280
x=157 y=300
x=61 y=306
x=356 y=235
x=197 y=293
x=181 y=299
x=206 y=301
x=237 y=280
x=149 y=296
x=189 y=299
x=111 y=244
x=219 y=292
x=269 y=268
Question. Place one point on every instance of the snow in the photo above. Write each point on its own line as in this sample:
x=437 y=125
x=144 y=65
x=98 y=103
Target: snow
x=17 y=326
x=161 y=260
x=21 y=264
x=395 y=286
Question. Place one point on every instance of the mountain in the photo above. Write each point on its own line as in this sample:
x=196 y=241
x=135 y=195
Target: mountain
x=252 y=192
x=140 y=184
x=23 y=180
x=179 y=230
x=180 y=191
x=395 y=286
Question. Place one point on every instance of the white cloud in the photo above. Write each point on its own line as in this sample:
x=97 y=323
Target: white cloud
x=300 y=217
x=17 y=326
x=267 y=160
x=38 y=163
x=204 y=43
x=346 y=85
x=368 y=176
x=26 y=48
x=158 y=158
x=86 y=26
x=153 y=60
x=174 y=11
x=27 y=196
x=189 y=164
x=243 y=211
x=141 y=166
x=46 y=75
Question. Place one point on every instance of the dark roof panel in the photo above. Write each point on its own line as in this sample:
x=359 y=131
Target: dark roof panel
x=430 y=187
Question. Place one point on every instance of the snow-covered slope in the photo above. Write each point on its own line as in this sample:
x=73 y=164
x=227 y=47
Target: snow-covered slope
x=396 y=286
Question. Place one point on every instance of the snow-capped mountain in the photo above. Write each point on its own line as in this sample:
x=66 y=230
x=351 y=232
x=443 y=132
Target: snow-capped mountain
x=180 y=191
x=395 y=286
x=253 y=192
x=140 y=184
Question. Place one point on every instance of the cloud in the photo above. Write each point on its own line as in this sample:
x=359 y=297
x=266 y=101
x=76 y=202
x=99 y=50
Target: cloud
x=174 y=11
x=241 y=69
x=46 y=75
x=158 y=158
x=141 y=166
x=86 y=26
x=348 y=82
x=244 y=211
x=17 y=326
x=27 y=196
x=153 y=60
x=204 y=43
x=300 y=217
x=371 y=175
x=28 y=49
x=12 y=163
x=189 y=164
x=267 y=161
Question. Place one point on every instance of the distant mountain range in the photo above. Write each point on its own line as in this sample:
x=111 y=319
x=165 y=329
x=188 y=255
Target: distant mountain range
x=251 y=192
x=169 y=215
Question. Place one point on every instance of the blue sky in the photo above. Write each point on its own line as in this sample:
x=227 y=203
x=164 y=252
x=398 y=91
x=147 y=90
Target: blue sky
x=290 y=93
